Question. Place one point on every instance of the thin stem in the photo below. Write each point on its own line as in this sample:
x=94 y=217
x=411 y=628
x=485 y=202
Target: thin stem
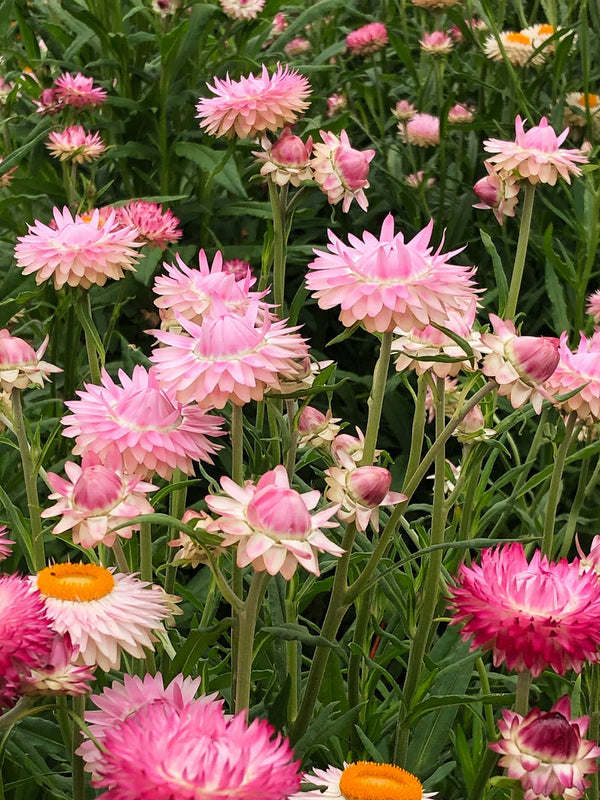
x=361 y=629
x=93 y=342
x=522 y=696
x=16 y=713
x=594 y=729
x=237 y=444
x=290 y=456
x=519 y=265
x=146 y=551
x=375 y=401
x=555 y=486
x=278 y=198
x=487 y=709
x=77 y=761
x=247 y=619
x=418 y=427
x=120 y=557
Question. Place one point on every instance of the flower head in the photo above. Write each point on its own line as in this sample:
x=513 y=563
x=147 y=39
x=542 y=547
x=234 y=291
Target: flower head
x=104 y=612
x=577 y=105
x=59 y=673
x=153 y=431
x=361 y=492
x=518 y=46
x=77 y=251
x=341 y=171
x=316 y=429
x=437 y=43
x=499 y=191
x=21 y=365
x=74 y=144
x=532 y=615
x=460 y=115
x=387 y=282
x=150 y=223
x=368 y=39
x=578 y=370
x=403 y=110
x=296 y=47
x=536 y=154
x=165 y=7
x=272 y=525
x=5 y=543
x=335 y=104
x=77 y=91
x=287 y=160
x=593 y=306
x=363 y=779
x=242 y=9
x=546 y=751
x=253 y=105
x=422 y=130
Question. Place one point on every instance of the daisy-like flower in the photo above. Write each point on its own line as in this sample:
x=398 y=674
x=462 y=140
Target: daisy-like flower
x=5 y=543
x=363 y=779
x=242 y=9
x=536 y=155
x=547 y=752
x=360 y=493
x=422 y=130
x=104 y=612
x=153 y=431
x=161 y=752
x=578 y=370
x=98 y=497
x=20 y=365
x=287 y=160
x=368 y=39
x=437 y=43
x=254 y=104
x=539 y=35
x=25 y=635
x=519 y=48
x=75 y=145
x=531 y=615
x=231 y=356
x=341 y=171
x=272 y=525
x=78 y=91
x=519 y=364
x=59 y=674
x=77 y=251
x=387 y=283
x=576 y=109
x=150 y=223
x=497 y=191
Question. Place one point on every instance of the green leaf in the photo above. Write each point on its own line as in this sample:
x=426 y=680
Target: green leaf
x=499 y=274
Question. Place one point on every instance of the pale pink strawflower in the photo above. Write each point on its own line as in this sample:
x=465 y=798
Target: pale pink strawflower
x=347 y=450
x=498 y=191
x=536 y=155
x=150 y=223
x=386 y=282
x=78 y=91
x=368 y=39
x=6 y=88
x=296 y=47
x=336 y=103
x=519 y=364
x=460 y=115
x=316 y=429
x=302 y=376
x=59 y=673
x=531 y=615
x=165 y=7
x=287 y=160
x=451 y=399
x=153 y=431
x=362 y=779
x=231 y=356
x=547 y=752
x=593 y=306
x=103 y=611
x=517 y=46
x=5 y=543
x=436 y=43
x=360 y=493
x=98 y=496
x=77 y=251
x=341 y=171
x=272 y=525
x=25 y=635
x=254 y=104
x=403 y=110
x=578 y=370
x=422 y=130
x=191 y=553
x=237 y=267
x=417 y=180
x=20 y=365
x=161 y=752
x=242 y=9
x=280 y=23
x=75 y=145
x=472 y=427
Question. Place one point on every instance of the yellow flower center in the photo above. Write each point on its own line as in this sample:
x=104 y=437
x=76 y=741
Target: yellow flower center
x=591 y=98
x=518 y=38
x=545 y=30
x=367 y=781
x=78 y=582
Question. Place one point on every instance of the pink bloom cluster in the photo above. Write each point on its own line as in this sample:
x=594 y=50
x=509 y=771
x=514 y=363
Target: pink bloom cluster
x=75 y=145
x=368 y=39
x=70 y=91
x=151 y=223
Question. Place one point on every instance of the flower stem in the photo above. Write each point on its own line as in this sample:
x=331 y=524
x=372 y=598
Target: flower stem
x=177 y=502
x=77 y=761
x=555 y=486
x=146 y=551
x=278 y=198
x=376 y=399
x=93 y=342
x=519 y=265
x=237 y=444
x=247 y=618
x=120 y=557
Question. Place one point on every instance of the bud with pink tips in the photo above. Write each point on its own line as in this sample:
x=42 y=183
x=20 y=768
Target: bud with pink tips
x=315 y=428
x=361 y=492
x=21 y=365
x=341 y=171
x=498 y=190
x=286 y=161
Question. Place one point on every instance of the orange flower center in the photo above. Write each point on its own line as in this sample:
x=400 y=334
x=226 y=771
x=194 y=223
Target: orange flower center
x=78 y=582
x=368 y=781
x=592 y=100
x=518 y=38
x=546 y=30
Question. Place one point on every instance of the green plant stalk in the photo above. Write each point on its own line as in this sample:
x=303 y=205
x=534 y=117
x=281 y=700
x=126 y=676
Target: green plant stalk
x=418 y=427
x=290 y=456
x=582 y=483
x=483 y=775
x=431 y=586
x=146 y=551
x=237 y=444
x=488 y=712
x=519 y=265
x=592 y=227
x=594 y=729
x=359 y=638
x=177 y=502
x=237 y=578
x=30 y=477
x=554 y=490
x=77 y=761
x=375 y=401
x=95 y=358
x=278 y=199
x=247 y=618
x=120 y=558
x=18 y=712
x=522 y=695
x=292 y=653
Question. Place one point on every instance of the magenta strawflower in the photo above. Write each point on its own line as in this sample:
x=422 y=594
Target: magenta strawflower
x=387 y=283
x=150 y=223
x=5 y=543
x=242 y=9
x=74 y=144
x=59 y=673
x=341 y=171
x=536 y=155
x=361 y=492
x=272 y=525
x=422 y=130
x=153 y=431
x=578 y=370
x=77 y=251
x=230 y=356
x=20 y=364
x=368 y=39
x=253 y=104
x=546 y=751
x=77 y=91
x=531 y=615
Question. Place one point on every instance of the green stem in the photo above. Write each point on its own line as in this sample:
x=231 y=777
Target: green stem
x=522 y=696
x=30 y=476
x=361 y=630
x=485 y=689
x=375 y=401
x=278 y=198
x=290 y=456
x=77 y=761
x=146 y=551
x=177 y=502
x=292 y=652
x=247 y=618
x=93 y=342
x=519 y=265
x=237 y=444
x=120 y=557
x=486 y=767
x=18 y=712
x=594 y=729
x=418 y=428
x=554 y=489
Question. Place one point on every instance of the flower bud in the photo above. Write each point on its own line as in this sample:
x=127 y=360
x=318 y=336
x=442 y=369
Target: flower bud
x=369 y=485
x=550 y=738
x=489 y=190
x=534 y=357
x=97 y=489
x=352 y=166
x=290 y=150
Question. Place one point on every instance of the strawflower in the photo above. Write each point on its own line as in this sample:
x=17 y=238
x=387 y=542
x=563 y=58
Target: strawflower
x=165 y=7
x=519 y=48
x=576 y=109
x=59 y=673
x=316 y=429
x=75 y=145
x=296 y=47
x=497 y=191
x=578 y=370
x=242 y=9
x=422 y=130
x=531 y=615
x=237 y=267
x=150 y=223
x=5 y=543
x=460 y=115
x=403 y=110
x=368 y=39
x=341 y=171
x=417 y=180
x=287 y=160
x=593 y=306
x=20 y=365
x=436 y=43
x=77 y=91
x=336 y=103
x=253 y=104
x=361 y=492
x=364 y=780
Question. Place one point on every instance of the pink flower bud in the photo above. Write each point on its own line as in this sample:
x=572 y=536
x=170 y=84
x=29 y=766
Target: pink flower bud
x=472 y=422
x=550 y=738
x=48 y=97
x=291 y=151
x=98 y=488
x=489 y=190
x=15 y=352
x=353 y=166
x=404 y=110
x=279 y=511
x=310 y=420
x=369 y=485
x=534 y=357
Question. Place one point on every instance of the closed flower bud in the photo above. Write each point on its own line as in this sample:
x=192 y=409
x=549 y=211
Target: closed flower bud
x=290 y=150
x=369 y=485
x=534 y=357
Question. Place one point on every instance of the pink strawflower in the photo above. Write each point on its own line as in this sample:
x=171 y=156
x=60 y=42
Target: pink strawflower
x=519 y=364
x=536 y=155
x=78 y=91
x=296 y=47
x=280 y=23
x=593 y=306
x=48 y=103
x=361 y=492
x=191 y=553
x=497 y=191
x=231 y=356
x=335 y=104
x=531 y=615
x=436 y=43
x=403 y=110
x=153 y=431
x=6 y=88
x=287 y=160
x=161 y=752
x=74 y=144
x=460 y=115
x=5 y=543
x=77 y=251
x=237 y=267
x=272 y=525
x=368 y=39
x=387 y=282
x=25 y=635
x=316 y=429
x=578 y=370
x=546 y=751
x=21 y=365
x=347 y=450
x=253 y=105
x=422 y=130
x=341 y=171
x=165 y=7
x=59 y=673
x=150 y=223
x=103 y=611
x=242 y=9
x=97 y=497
